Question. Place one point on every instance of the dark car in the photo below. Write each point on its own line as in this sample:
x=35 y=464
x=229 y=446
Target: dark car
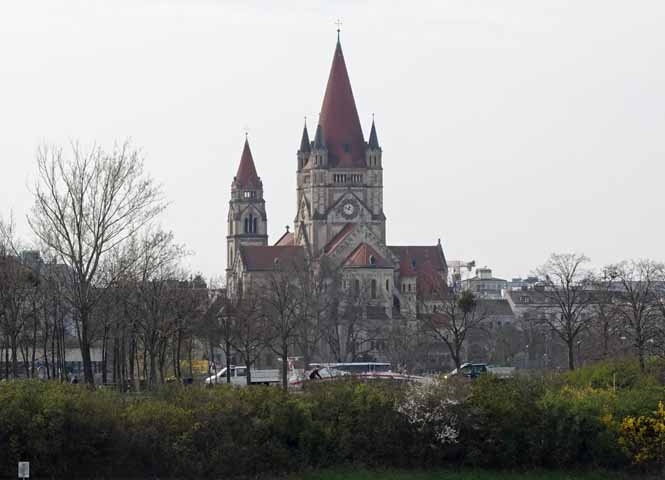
x=469 y=370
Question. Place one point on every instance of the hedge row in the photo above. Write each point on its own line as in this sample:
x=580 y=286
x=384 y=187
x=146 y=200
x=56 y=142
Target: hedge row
x=67 y=431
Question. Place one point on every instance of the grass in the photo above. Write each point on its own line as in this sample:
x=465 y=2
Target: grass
x=465 y=474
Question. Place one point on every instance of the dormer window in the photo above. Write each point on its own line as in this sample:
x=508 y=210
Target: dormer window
x=347 y=148
x=372 y=260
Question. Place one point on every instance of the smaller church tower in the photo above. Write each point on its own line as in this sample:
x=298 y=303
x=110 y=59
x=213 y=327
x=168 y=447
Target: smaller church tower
x=247 y=220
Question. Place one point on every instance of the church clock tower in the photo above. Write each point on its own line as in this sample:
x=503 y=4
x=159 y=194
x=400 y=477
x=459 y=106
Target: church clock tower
x=340 y=175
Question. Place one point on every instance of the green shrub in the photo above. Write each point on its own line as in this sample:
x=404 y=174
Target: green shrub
x=503 y=422
x=60 y=429
x=577 y=427
x=620 y=374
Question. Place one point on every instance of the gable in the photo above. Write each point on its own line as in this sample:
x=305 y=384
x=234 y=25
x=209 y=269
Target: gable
x=364 y=256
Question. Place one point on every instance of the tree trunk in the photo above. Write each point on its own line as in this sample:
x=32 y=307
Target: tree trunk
x=84 y=345
x=189 y=358
x=14 y=345
x=640 y=355
x=248 y=366
x=571 y=354
x=285 y=365
x=227 y=352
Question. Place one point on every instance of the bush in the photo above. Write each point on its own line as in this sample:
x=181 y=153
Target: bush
x=503 y=422
x=577 y=427
x=643 y=438
x=60 y=429
x=620 y=374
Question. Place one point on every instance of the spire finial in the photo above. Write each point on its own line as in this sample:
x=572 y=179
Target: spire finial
x=339 y=27
x=246 y=130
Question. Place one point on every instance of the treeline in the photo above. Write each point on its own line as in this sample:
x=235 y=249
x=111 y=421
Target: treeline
x=99 y=274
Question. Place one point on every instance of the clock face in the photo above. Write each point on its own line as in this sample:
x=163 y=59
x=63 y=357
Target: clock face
x=349 y=209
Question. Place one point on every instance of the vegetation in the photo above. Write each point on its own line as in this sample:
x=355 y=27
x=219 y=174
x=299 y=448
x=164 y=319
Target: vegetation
x=463 y=474
x=561 y=422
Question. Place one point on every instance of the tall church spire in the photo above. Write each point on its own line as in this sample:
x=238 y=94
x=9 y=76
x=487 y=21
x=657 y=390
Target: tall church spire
x=247 y=175
x=342 y=132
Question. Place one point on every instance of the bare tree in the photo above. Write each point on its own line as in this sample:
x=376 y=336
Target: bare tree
x=567 y=287
x=158 y=278
x=280 y=303
x=86 y=206
x=636 y=301
x=250 y=329
x=452 y=319
x=19 y=285
x=347 y=330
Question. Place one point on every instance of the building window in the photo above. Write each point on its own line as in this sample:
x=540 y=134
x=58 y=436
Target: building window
x=387 y=285
x=372 y=260
x=409 y=287
x=404 y=288
x=251 y=224
x=347 y=148
x=373 y=288
x=357 y=285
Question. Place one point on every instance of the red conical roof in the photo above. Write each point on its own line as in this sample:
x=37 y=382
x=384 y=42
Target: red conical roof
x=247 y=175
x=339 y=118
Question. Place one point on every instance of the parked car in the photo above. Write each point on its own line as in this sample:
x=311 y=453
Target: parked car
x=474 y=370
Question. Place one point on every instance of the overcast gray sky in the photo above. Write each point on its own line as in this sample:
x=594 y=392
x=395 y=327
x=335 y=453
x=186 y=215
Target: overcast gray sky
x=510 y=129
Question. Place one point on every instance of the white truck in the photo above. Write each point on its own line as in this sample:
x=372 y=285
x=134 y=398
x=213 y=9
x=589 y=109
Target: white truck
x=239 y=376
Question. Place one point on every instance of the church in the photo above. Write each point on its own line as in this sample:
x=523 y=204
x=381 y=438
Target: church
x=339 y=216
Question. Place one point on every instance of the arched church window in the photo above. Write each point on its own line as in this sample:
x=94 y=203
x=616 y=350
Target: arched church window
x=250 y=223
x=357 y=285
x=373 y=288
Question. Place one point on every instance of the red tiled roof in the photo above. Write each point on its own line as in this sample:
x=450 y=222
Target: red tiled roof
x=426 y=263
x=362 y=256
x=269 y=257
x=339 y=118
x=337 y=239
x=246 y=175
x=287 y=239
